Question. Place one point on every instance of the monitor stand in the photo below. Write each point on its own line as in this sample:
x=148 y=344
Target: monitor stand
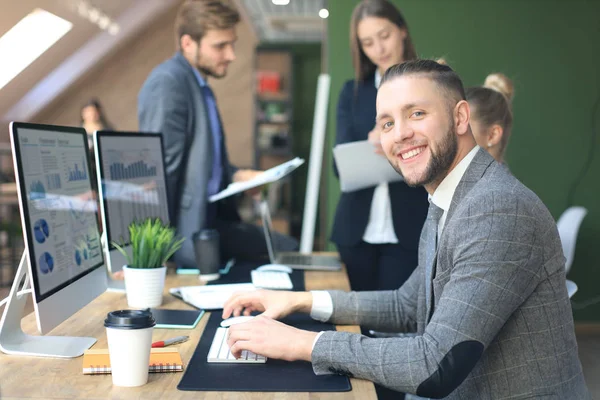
x=113 y=285
x=12 y=338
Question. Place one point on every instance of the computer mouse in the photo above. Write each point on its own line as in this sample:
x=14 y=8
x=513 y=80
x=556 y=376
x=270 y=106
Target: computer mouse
x=275 y=268
x=226 y=323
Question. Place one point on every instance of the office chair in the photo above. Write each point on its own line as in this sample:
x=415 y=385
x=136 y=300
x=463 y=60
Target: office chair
x=568 y=227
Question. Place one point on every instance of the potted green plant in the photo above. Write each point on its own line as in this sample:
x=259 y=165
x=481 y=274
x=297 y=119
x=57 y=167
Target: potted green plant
x=152 y=244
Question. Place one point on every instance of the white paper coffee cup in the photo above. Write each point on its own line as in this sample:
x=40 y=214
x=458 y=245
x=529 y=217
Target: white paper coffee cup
x=129 y=334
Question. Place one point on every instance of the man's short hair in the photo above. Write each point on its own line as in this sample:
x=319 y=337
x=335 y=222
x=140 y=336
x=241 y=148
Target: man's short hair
x=441 y=74
x=196 y=17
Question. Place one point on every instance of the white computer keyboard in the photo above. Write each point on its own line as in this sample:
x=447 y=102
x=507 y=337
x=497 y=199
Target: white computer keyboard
x=271 y=280
x=219 y=351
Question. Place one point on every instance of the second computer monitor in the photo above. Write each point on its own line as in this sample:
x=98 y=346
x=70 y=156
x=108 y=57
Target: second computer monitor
x=131 y=180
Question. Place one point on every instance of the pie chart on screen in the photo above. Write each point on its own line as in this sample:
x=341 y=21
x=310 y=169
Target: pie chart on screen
x=78 y=259
x=46 y=263
x=41 y=230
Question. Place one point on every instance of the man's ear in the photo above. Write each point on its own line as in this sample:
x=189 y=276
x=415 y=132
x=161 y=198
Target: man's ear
x=185 y=42
x=462 y=117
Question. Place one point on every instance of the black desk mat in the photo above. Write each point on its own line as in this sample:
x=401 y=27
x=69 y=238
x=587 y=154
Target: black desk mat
x=273 y=376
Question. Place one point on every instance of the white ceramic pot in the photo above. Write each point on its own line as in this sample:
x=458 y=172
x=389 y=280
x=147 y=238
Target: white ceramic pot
x=144 y=286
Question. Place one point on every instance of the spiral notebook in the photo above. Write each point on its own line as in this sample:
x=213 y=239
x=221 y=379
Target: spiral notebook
x=97 y=361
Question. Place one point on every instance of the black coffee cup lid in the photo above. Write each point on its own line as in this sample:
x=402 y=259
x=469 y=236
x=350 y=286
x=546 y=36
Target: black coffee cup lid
x=129 y=319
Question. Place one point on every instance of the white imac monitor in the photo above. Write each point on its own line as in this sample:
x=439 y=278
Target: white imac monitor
x=63 y=256
x=132 y=183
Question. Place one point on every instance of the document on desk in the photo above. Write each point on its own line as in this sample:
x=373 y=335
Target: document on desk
x=268 y=176
x=210 y=297
x=359 y=167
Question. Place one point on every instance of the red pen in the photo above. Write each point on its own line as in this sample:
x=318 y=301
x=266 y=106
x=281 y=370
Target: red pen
x=163 y=343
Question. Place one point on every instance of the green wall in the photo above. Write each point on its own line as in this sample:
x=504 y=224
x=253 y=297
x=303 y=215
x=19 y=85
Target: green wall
x=551 y=49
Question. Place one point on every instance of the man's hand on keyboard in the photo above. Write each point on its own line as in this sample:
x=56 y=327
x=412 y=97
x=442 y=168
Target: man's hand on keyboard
x=273 y=304
x=272 y=339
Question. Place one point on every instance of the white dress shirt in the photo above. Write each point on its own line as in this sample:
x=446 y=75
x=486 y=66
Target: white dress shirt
x=380 y=228
x=322 y=306
x=442 y=197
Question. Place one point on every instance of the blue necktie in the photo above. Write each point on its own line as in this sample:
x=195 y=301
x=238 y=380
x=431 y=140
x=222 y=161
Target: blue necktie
x=213 y=115
x=430 y=230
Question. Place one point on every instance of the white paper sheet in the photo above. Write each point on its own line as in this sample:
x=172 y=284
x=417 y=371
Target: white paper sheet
x=209 y=297
x=268 y=176
x=359 y=167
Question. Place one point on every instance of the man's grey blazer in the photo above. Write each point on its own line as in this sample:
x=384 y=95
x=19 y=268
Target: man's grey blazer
x=171 y=102
x=500 y=326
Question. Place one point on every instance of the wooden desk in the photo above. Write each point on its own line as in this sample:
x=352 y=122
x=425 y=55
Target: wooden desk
x=46 y=378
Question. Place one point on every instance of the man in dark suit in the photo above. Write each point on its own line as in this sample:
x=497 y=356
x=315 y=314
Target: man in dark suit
x=177 y=101
x=488 y=299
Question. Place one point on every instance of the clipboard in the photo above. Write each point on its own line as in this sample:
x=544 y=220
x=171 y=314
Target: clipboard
x=268 y=176
x=372 y=169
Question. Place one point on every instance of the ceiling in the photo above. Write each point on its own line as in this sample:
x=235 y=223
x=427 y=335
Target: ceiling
x=74 y=54
x=297 y=21
x=86 y=44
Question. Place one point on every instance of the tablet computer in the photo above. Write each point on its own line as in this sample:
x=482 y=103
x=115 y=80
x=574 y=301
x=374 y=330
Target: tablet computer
x=176 y=319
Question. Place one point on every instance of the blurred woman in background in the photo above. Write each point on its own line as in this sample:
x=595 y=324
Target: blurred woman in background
x=93 y=118
x=491 y=113
x=376 y=230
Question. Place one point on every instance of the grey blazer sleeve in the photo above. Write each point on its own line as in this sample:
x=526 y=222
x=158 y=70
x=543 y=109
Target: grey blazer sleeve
x=385 y=311
x=163 y=107
x=495 y=249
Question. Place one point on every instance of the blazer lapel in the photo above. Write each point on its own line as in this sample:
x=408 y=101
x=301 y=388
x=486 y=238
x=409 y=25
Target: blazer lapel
x=473 y=174
x=200 y=123
x=430 y=274
x=205 y=119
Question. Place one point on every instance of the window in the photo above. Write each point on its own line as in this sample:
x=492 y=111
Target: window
x=28 y=40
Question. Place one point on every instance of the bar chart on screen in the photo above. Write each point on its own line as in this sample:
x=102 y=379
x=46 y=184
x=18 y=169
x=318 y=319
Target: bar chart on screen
x=132 y=187
x=76 y=170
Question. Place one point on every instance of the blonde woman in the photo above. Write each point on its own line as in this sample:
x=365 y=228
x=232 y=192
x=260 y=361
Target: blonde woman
x=491 y=113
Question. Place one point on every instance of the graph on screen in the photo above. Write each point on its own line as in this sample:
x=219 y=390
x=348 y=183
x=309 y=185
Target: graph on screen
x=53 y=181
x=132 y=183
x=37 y=190
x=139 y=169
x=76 y=170
x=61 y=220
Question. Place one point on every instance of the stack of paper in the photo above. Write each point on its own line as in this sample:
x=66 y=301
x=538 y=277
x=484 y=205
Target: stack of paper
x=359 y=167
x=210 y=297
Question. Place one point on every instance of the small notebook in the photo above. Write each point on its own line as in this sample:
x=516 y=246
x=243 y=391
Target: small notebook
x=97 y=361
x=176 y=319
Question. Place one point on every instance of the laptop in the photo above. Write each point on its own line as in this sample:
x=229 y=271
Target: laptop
x=294 y=259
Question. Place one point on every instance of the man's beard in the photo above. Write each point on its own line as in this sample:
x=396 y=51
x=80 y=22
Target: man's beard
x=209 y=72
x=206 y=70
x=440 y=162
